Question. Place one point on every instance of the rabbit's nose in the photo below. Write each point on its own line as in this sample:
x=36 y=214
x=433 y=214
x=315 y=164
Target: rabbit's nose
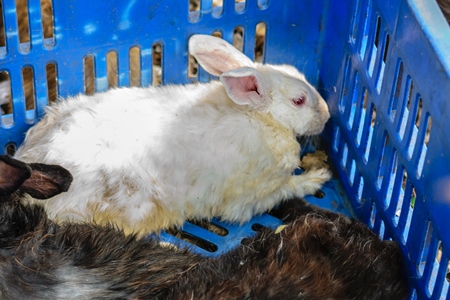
x=323 y=110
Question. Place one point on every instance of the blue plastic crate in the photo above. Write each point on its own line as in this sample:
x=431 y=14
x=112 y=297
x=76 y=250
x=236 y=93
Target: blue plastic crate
x=383 y=66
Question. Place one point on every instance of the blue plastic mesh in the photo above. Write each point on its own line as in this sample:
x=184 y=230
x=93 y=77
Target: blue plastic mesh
x=390 y=82
x=383 y=66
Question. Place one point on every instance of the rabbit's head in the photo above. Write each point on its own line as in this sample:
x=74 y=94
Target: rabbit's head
x=280 y=90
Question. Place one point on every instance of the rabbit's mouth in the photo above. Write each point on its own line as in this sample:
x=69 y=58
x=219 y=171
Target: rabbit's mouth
x=312 y=132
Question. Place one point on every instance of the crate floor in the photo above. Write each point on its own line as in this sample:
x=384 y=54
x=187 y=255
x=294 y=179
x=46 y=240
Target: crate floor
x=217 y=237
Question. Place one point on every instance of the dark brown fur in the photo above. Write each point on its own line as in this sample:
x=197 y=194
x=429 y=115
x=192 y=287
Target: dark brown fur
x=320 y=255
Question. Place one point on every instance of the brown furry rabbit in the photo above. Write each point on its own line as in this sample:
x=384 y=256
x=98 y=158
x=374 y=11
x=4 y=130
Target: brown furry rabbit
x=318 y=255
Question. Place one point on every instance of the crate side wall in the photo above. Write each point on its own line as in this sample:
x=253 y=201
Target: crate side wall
x=385 y=76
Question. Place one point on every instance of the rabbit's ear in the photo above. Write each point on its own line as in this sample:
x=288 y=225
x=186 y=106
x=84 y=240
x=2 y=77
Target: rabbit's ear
x=47 y=181
x=13 y=173
x=246 y=86
x=215 y=55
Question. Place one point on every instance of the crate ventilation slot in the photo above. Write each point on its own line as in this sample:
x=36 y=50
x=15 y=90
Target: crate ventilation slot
x=27 y=35
x=135 y=66
x=216 y=8
x=111 y=69
x=7 y=107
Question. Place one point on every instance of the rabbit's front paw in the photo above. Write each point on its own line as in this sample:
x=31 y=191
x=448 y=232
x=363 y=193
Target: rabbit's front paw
x=309 y=182
x=318 y=175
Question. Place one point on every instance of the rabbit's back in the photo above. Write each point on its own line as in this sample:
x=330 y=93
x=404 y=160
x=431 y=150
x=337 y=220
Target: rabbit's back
x=42 y=260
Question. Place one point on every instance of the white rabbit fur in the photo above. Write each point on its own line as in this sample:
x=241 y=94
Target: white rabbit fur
x=149 y=158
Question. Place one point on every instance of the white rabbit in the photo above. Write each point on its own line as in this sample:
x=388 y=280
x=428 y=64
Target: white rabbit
x=149 y=158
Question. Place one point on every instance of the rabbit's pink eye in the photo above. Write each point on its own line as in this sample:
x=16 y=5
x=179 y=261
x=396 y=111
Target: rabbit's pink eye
x=299 y=101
